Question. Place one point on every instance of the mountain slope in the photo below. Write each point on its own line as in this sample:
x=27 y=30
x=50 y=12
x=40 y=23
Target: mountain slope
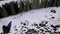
x=24 y=21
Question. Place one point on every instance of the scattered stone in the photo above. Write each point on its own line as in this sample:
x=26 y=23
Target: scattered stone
x=53 y=11
x=42 y=25
x=31 y=31
x=24 y=23
x=53 y=17
x=16 y=29
x=35 y=24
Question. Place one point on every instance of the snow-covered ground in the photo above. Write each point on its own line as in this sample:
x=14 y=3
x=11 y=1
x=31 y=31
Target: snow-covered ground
x=31 y=17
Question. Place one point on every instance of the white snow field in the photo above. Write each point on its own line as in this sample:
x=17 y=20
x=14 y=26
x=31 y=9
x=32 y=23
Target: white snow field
x=24 y=21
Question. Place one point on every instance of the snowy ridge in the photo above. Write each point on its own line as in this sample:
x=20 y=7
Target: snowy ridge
x=6 y=1
x=26 y=20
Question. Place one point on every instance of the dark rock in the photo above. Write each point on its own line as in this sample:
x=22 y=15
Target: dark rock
x=53 y=17
x=42 y=25
x=35 y=24
x=31 y=31
x=53 y=11
x=16 y=29
x=6 y=29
